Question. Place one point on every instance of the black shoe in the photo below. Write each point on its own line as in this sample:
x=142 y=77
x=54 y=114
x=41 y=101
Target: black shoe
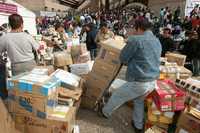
x=100 y=106
x=136 y=129
x=101 y=114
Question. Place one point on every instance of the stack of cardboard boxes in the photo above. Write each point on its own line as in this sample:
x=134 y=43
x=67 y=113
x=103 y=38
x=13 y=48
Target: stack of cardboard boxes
x=174 y=57
x=34 y=104
x=80 y=54
x=162 y=104
x=189 y=121
x=82 y=68
x=172 y=67
x=105 y=69
x=62 y=59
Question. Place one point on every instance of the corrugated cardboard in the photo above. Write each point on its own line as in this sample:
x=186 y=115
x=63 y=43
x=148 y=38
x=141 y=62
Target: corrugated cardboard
x=168 y=97
x=47 y=69
x=80 y=54
x=100 y=78
x=115 y=45
x=96 y=85
x=194 y=107
x=150 y=124
x=191 y=86
x=156 y=116
x=110 y=51
x=66 y=93
x=68 y=80
x=7 y=125
x=188 y=123
x=174 y=72
x=31 y=124
x=14 y=107
x=155 y=129
x=36 y=84
x=178 y=58
x=108 y=56
x=62 y=59
x=20 y=102
x=83 y=58
x=105 y=70
x=81 y=69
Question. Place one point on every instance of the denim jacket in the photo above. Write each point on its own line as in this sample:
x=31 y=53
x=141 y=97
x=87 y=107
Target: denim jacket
x=142 y=56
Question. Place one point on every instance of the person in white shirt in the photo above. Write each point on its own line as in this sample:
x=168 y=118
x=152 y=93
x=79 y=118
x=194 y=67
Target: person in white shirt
x=19 y=46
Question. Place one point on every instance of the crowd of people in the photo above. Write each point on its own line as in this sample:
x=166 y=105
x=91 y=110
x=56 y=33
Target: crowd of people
x=174 y=33
x=148 y=37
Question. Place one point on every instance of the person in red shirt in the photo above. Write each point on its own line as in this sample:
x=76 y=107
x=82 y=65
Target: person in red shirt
x=195 y=21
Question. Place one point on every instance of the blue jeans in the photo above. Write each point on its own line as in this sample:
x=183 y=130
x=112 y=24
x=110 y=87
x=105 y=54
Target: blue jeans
x=196 y=67
x=135 y=91
x=93 y=54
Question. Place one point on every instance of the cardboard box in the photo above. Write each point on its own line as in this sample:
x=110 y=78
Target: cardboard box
x=191 y=86
x=7 y=125
x=65 y=94
x=29 y=124
x=168 y=97
x=108 y=56
x=68 y=80
x=83 y=58
x=110 y=51
x=62 y=59
x=178 y=58
x=100 y=78
x=41 y=85
x=80 y=54
x=184 y=73
x=188 y=124
x=114 y=45
x=20 y=102
x=105 y=70
x=46 y=70
x=81 y=69
x=150 y=124
x=156 y=116
x=174 y=72
x=95 y=85
x=155 y=129
x=194 y=107
x=159 y=117
x=15 y=107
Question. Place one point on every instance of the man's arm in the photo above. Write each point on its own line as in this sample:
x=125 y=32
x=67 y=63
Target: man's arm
x=128 y=51
x=34 y=44
x=2 y=44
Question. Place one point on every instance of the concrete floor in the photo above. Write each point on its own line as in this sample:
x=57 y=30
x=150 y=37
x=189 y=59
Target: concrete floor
x=90 y=122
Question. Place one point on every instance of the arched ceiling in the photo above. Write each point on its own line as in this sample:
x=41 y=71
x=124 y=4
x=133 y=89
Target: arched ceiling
x=72 y=3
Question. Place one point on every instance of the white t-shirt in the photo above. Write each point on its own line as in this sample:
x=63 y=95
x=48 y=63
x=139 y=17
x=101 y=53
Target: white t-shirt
x=19 y=46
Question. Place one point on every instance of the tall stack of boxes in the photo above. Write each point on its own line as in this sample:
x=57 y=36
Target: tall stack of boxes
x=189 y=121
x=105 y=69
x=33 y=104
